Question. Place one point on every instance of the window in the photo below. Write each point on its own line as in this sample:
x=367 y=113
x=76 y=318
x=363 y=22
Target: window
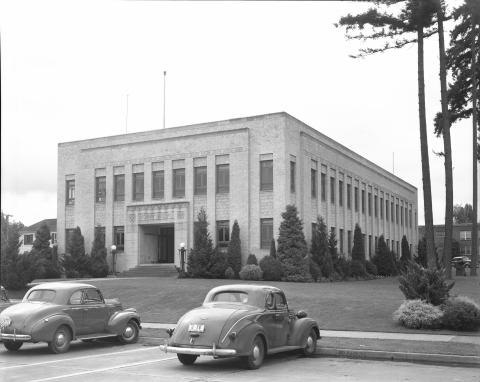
x=349 y=196
x=369 y=204
x=349 y=242
x=386 y=210
x=53 y=237
x=340 y=239
x=119 y=237
x=76 y=298
x=28 y=239
x=200 y=178
x=119 y=187
x=138 y=186
x=381 y=208
x=392 y=211
x=266 y=233
x=266 y=175
x=313 y=180
x=100 y=231
x=70 y=192
x=292 y=177
x=179 y=183
x=323 y=185
x=363 y=201
x=388 y=243
x=68 y=237
x=398 y=248
x=375 y=206
x=396 y=213
x=465 y=235
x=340 y=193
x=332 y=190
x=92 y=296
x=401 y=215
x=356 y=199
x=223 y=233
x=410 y=217
x=100 y=189
x=223 y=178
x=158 y=184
x=376 y=243
x=369 y=245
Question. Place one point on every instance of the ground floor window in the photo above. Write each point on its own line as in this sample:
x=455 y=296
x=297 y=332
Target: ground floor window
x=100 y=231
x=28 y=239
x=266 y=233
x=223 y=233
x=68 y=236
x=119 y=237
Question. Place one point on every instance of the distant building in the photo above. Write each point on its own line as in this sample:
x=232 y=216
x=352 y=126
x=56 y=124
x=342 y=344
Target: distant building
x=143 y=191
x=461 y=233
x=27 y=234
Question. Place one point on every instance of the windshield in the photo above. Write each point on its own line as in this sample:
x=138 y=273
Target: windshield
x=44 y=295
x=241 y=297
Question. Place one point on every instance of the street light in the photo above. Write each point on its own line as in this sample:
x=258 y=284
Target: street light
x=181 y=250
x=113 y=249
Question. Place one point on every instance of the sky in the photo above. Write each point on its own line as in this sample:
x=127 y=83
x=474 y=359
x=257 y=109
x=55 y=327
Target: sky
x=68 y=68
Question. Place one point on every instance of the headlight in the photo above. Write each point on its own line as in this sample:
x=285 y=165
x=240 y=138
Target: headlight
x=5 y=322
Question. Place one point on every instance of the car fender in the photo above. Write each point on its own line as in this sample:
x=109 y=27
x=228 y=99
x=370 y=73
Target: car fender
x=119 y=319
x=44 y=329
x=300 y=330
x=245 y=336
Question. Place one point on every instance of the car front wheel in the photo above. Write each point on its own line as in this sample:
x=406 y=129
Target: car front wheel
x=187 y=359
x=257 y=353
x=61 y=340
x=12 y=345
x=130 y=333
x=311 y=343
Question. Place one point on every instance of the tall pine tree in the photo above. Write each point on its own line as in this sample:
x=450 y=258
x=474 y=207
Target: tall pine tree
x=198 y=261
x=76 y=262
x=358 y=250
x=43 y=264
x=98 y=256
x=234 y=254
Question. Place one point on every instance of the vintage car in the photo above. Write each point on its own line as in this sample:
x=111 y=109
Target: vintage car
x=60 y=312
x=247 y=321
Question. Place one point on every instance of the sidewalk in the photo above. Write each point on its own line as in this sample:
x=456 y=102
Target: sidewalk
x=427 y=348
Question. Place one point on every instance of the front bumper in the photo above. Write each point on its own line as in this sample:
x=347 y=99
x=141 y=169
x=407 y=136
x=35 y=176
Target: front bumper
x=213 y=351
x=14 y=337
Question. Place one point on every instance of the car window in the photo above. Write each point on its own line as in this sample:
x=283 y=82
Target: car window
x=270 y=302
x=76 y=298
x=280 y=302
x=92 y=296
x=241 y=297
x=44 y=295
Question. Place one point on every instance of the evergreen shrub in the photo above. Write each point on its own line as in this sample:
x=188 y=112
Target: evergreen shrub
x=357 y=269
x=315 y=270
x=234 y=253
x=272 y=269
x=252 y=259
x=418 y=314
x=461 y=313
x=229 y=273
x=218 y=265
x=342 y=268
x=384 y=259
x=251 y=272
x=371 y=268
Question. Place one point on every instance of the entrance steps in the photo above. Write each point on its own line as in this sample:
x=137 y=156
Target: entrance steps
x=151 y=270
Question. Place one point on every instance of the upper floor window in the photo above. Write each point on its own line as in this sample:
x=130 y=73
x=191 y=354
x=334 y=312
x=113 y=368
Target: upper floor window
x=381 y=208
x=223 y=178
x=158 y=184
x=119 y=187
x=70 y=192
x=332 y=190
x=375 y=205
x=119 y=237
x=313 y=179
x=340 y=193
x=100 y=189
x=355 y=196
x=200 y=180
x=138 y=185
x=396 y=213
x=386 y=210
x=349 y=196
x=266 y=175
x=401 y=215
x=369 y=204
x=465 y=235
x=292 y=176
x=392 y=211
x=363 y=201
x=179 y=183
x=28 y=239
x=223 y=233
x=323 y=186
x=266 y=233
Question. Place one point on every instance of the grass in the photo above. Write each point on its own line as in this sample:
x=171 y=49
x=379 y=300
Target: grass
x=350 y=305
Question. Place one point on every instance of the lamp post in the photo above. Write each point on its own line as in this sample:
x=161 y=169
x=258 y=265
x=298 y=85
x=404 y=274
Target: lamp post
x=113 y=249
x=181 y=250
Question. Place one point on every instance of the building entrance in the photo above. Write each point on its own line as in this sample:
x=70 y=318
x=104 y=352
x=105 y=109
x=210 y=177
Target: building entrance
x=157 y=244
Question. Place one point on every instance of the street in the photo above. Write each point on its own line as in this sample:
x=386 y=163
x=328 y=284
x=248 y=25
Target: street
x=106 y=361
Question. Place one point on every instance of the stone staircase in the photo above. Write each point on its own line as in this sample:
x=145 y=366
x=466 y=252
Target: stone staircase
x=151 y=270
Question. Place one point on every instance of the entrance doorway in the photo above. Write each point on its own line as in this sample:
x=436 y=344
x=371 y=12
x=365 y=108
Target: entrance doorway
x=157 y=244
x=165 y=245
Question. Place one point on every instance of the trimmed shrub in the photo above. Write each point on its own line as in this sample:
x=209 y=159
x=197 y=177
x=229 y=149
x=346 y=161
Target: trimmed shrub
x=76 y=262
x=272 y=269
x=461 y=313
x=315 y=270
x=418 y=314
x=371 y=268
x=251 y=272
x=234 y=254
x=384 y=259
x=229 y=273
x=357 y=269
x=426 y=284
x=218 y=265
x=252 y=259
x=342 y=267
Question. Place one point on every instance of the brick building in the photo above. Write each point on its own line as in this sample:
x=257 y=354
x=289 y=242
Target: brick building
x=462 y=233
x=143 y=190
x=27 y=234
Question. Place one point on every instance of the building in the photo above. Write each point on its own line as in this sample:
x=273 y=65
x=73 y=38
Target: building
x=27 y=234
x=144 y=190
x=462 y=233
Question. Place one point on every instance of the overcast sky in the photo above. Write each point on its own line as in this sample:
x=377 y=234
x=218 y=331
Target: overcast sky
x=67 y=67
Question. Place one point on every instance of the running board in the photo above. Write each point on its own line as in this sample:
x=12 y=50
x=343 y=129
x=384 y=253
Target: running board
x=95 y=336
x=282 y=349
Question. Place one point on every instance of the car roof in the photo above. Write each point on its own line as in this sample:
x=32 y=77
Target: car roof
x=245 y=287
x=62 y=286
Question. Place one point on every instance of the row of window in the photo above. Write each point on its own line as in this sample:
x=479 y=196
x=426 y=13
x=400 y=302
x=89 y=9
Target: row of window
x=28 y=238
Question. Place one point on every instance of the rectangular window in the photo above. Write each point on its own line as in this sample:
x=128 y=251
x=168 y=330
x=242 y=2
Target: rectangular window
x=349 y=242
x=349 y=196
x=387 y=209
x=381 y=208
x=375 y=205
x=398 y=248
x=363 y=201
x=70 y=192
x=200 y=179
x=119 y=237
x=369 y=204
x=356 y=199
x=465 y=235
x=53 y=237
x=100 y=189
x=332 y=190
x=323 y=185
x=369 y=245
x=101 y=232
x=340 y=193
x=392 y=212
x=292 y=177
x=179 y=183
x=119 y=187
x=266 y=175
x=28 y=239
x=410 y=217
x=223 y=178
x=223 y=233
x=158 y=184
x=68 y=237
x=138 y=186
x=313 y=180
x=376 y=243
x=401 y=215
x=340 y=239
x=266 y=233
x=396 y=213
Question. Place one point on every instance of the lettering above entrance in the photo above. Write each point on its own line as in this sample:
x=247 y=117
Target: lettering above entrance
x=158 y=213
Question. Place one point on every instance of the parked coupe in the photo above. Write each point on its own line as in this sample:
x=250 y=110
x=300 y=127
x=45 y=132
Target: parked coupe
x=60 y=312
x=248 y=321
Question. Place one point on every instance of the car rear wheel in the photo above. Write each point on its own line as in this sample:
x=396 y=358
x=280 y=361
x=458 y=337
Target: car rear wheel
x=187 y=359
x=12 y=345
x=130 y=333
x=61 y=340
x=257 y=353
x=311 y=343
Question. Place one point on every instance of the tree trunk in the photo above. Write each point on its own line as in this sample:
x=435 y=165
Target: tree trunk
x=427 y=189
x=473 y=268
x=447 y=147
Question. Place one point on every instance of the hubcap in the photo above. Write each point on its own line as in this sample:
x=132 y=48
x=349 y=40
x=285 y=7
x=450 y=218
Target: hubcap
x=60 y=339
x=128 y=332
x=256 y=352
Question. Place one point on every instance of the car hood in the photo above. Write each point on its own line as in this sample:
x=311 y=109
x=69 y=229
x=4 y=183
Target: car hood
x=217 y=320
x=25 y=313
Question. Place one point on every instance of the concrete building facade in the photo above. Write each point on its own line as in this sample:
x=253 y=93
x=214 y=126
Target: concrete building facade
x=143 y=191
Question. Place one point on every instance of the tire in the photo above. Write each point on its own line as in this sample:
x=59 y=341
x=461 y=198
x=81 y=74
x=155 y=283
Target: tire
x=61 y=340
x=256 y=355
x=130 y=333
x=310 y=343
x=12 y=345
x=187 y=359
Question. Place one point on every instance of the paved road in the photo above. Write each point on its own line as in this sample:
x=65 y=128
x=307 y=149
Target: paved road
x=111 y=362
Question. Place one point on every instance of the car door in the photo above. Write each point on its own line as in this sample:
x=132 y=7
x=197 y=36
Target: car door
x=95 y=312
x=275 y=320
x=74 y=309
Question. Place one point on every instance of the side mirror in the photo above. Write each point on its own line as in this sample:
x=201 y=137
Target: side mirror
x=301 y=314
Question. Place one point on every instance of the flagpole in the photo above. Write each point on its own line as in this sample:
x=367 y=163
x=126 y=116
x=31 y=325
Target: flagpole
x=164 y=86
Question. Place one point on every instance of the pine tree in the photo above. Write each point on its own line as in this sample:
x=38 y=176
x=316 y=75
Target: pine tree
x=75 y=262
x=234 y=254
x=421 y=257
x=292 y=247
x=321 y=248
x=384 y=259
x=41 y=259
x=273 y=249
x=98 y=256
x=406 y=255
x=358 y=250
x=198 y=261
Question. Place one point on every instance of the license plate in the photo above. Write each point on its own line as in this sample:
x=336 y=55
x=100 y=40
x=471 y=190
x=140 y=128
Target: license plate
x=199 y=328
